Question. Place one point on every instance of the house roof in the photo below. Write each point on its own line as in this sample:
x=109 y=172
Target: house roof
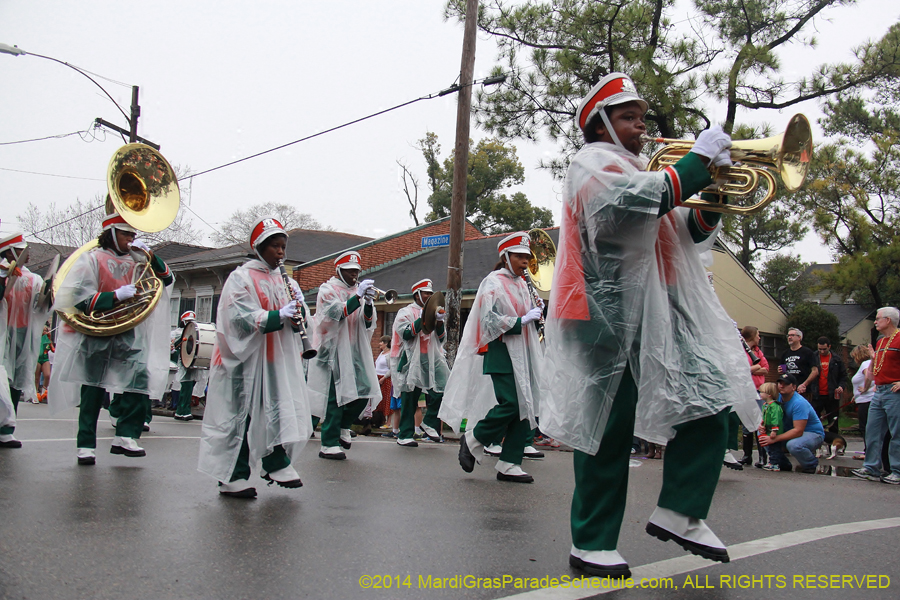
x=849 y=315
x=479 y=258
x=305 y=245
x=169 y=251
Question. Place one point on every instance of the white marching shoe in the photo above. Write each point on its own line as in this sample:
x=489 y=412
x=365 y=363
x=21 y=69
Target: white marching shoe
x=432 y=434
x=510 y=472
x=332 y=452
x=345 y=439
x=8 y=440
x=601 y=563
x=113 y=421
x=127 y=446
x=690 y=533
x=86 y=456
x=731 y=462
x=533 y=453
x=493 y=449
x=286 y=477
x=237 y=489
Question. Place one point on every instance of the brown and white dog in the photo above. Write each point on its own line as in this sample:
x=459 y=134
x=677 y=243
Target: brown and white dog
x=834 y=445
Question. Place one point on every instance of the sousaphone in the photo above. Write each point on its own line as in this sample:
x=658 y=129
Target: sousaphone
x=143 y=189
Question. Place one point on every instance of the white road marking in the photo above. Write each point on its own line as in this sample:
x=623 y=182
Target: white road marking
x=686 y=564
x=144 y=438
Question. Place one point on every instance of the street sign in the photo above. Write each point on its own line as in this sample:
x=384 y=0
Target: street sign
x=436 y=241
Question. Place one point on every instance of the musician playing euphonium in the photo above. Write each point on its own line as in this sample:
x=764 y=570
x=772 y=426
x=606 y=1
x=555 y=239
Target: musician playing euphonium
x=637 y=341
x=418 y=365
x=25 y=322
x=495 y=382
x=342 y=377
x=133 y=364
x=257 y=406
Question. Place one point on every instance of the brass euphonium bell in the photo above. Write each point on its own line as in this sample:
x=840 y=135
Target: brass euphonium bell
x=143 y=189
x=788 y=154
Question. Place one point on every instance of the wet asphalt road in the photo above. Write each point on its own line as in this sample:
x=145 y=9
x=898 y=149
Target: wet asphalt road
x=154 y=528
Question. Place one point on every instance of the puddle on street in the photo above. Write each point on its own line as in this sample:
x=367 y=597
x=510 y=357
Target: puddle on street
x=834 y=471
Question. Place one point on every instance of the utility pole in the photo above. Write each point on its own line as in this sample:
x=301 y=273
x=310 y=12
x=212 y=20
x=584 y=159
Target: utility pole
x=460 y=172
x=135 y=113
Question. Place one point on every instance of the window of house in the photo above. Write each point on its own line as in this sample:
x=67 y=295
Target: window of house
x=174 y=305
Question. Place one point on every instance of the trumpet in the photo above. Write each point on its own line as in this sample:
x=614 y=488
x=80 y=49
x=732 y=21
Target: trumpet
x=390 y=296
x=787 y=154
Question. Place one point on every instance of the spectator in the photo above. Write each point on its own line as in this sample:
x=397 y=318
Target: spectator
x=803 y=432
x=832 y=377
x=758 y=372
x=799 y=361
x=383 y=370
x=773 y=417
x=884 y=409
x=863 y=388
x=42 y=373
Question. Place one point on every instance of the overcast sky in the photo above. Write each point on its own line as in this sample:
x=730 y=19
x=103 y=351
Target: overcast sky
x=223 y=80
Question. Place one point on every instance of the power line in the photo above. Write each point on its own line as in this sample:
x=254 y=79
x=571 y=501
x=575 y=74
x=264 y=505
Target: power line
x=453 y=88
x=49 y=137
x=50 y=174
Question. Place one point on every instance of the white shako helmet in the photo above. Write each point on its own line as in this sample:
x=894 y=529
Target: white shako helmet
x=348 y=260
x=262 y=230
x=188 y=316
x=15 y=241
x=115 y=221
x=615 y=88
x=517 y=243
x=423 y=285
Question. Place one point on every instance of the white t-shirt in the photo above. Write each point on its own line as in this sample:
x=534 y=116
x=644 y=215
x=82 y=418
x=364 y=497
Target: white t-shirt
x=382 y=367
x=858 y=381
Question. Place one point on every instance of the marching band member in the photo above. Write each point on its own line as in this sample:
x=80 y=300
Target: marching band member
x=257 y=406
x=23 y=326
x=187 y=377
x=495 y=382
x=637 y=341
x=418 y=364
x=342 y=376
x=132 y=365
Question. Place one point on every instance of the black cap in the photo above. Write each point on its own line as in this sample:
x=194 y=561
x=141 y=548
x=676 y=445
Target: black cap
x=788 y=379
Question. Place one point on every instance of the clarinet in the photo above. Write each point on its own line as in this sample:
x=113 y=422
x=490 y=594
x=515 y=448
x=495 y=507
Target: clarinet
x=536 y=300
x=297 y=320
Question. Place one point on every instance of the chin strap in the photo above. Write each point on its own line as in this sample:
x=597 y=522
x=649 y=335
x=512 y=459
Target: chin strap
x=610 y=130
x=115 y=241
x=340 y=275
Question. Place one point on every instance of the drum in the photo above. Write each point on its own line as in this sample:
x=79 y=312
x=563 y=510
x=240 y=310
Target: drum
x=197 y=345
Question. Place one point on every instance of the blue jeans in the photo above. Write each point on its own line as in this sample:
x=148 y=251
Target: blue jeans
x=884 y=415
x=802 y=448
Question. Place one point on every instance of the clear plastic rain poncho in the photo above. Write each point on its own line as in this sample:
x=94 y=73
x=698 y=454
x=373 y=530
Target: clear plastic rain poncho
x=136 y=360
x=253 y=374
x=501 y=299
x=7 y=411
x=345 y=353
x=425 y=368
x=630 y=287
x=24 y=326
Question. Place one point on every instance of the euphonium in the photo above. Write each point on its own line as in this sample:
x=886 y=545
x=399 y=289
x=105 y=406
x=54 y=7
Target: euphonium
x=787 y=154
x=143 y=189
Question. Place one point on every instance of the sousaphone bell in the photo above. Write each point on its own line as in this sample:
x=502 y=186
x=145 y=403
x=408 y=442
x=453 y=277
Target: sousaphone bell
x=143 y=189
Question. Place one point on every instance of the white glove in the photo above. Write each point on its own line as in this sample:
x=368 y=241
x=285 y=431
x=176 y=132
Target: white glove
x=532 y=315
x=4 y=268
x=364 y=286
x=540 y=302
x=125 y=292
x=440 y=316
x=369 y=299
x=723 y=159
x=711 y=142
x=296 y=287
x=138 y=243
x=288 y=310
